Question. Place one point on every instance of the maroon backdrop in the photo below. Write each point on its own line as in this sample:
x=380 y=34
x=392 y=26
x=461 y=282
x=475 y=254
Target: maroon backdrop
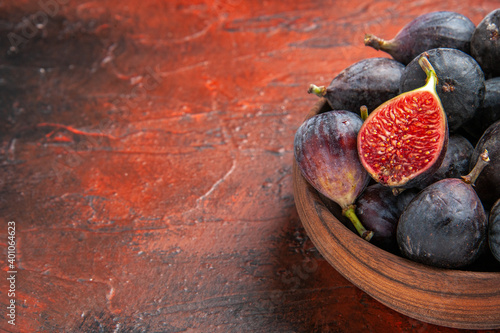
x=146 y=155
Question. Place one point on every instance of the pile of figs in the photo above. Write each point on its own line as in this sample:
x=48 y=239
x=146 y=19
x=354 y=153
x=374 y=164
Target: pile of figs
x=410 y=149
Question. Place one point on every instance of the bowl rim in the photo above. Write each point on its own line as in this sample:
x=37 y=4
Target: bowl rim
x=453 y=298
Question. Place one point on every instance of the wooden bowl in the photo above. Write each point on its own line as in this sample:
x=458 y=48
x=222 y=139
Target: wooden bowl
x=453 y=298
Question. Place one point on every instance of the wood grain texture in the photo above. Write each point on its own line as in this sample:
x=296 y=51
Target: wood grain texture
x=454 y=298
x=146 y=152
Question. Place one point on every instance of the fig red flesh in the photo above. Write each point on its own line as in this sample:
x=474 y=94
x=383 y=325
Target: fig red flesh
x=404 y=140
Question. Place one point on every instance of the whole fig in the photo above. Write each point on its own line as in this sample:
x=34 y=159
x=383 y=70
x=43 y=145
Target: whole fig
x=455 y=163
x=494 y=230
x=445 y=225
x=485 y=43
x=488 y=182
x=325 y=151
x=369 y=82
x=379 y=211
x=427 y=31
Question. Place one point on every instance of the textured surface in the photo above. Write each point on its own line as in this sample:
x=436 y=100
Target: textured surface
x=146 y=158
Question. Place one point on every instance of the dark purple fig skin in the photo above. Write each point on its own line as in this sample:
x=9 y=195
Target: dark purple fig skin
x=485 y=43
x=487 y=184
x=460 y=87
x=428 y=31
x=490 y=108
x=456 y=160
x=326 y=153
x=405 y=198
x=488 y=112
x=379 y=211
x=444 y=225
x=494 y=230
x=369 y=82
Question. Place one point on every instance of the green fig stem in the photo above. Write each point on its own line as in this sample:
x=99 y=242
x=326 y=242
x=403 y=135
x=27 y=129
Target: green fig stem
x=319 y=91
x=381 y=44
x=482 y=161
x=374 y=41
x=350 y=213
x=363 y=110
x=397 y=191
x=432 y=80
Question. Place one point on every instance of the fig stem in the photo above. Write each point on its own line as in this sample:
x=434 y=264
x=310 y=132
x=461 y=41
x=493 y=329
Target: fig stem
x=363 y=110
x=375 y=42
x=397 y=191
x=432 y=79
x=319 y=91
x=482 y=161
x=350 y=213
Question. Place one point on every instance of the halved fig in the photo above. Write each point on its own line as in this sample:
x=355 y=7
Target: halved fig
x=404 y=140
x=325 y=151
x=460 y=87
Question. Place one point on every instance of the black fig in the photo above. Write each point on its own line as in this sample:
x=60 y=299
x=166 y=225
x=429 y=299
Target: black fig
x=456 y=160
x=428 y=31
x=488 y=182
x=445 y=225
x=369 y=82
x=325 y=151
x=404 y=140
x=489 y=110
x=460 y=86
x=494 y=230
x=379 y=210
x=485 y=43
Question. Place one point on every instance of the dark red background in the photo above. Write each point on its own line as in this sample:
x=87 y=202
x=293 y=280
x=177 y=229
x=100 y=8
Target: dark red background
x=146 y=155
